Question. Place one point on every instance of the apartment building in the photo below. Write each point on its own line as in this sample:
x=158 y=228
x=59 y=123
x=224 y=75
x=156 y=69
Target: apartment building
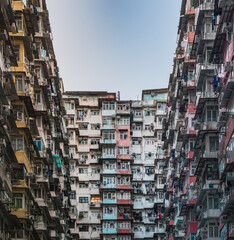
x=147 y=167
x=199 y=126
x=117 y=164
x=35 y=181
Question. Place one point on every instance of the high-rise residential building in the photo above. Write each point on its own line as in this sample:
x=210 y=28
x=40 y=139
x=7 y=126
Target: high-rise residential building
x=116 y=164
x=199 y=127
x=35 y=182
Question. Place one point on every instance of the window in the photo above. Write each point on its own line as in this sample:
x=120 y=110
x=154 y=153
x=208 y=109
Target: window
x=124 y=195
x=124 y=225
x=95 y=112
x=19 y=83
x=109 y=165
x=72 y=166
x=109 y=180
x=212 y=112
x=124 y=165
x=123 y=135
x=95 y=200
x=17 y=52
x=95 y=141
x=149 y=141
x=108 y=151
x=214 y=144
x=192 y=169
x=18 y=200
x=108 y=136
x=149 y=112
x=83 y=199
x=123 y=107
x=72 y=195
x=83 y=142
x=123 y=150
x=83 y=228
x=107 y=121
x=84 y=214
x=213 y=202
x=136 y=141
x=213 y=230
x=123 y=180
x=109 y=195
x=95 y=214
x=137 y=113
x=94 y=185
x=108 y=106
x=39 y=121
x=136 y=127
x=83 y=170
x=160 y=195
x=18 y=111
x=37 y=97
x=19 y=23
x=149 y=127
x=18 y=143
x=109 y=210
x=208 y=27
x=109 y=224
x=94 y=171
x=69 y=106
x=38 y=143
x=150 y=199
x=208 y=54
x=124 y=121
x=83 y=185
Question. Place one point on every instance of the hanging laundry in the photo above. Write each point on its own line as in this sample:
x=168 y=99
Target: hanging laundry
x=216 y=81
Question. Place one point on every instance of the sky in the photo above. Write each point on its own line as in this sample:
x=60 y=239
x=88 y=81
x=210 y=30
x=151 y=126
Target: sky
x=114 y=45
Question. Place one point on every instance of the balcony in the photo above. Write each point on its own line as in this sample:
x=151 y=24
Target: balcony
x=203 y=69
x=137 y=134
x=23 y=159
x=200 y=12
x=110 y=216
x=109 y=201
x=124 y=201
x=109 y=230
x=125 y=216
x=20 y=213
x=124 y=171
x=124 y=230
x=106 y=185
x=137 y=118
x=109 y=141
x=211 y=213
x=83 y=148
x=206 y=126
x=109 y=171
x=108 y=113
x=105 y=155
x=108 y=126
x=123 y=186
x=40 y=226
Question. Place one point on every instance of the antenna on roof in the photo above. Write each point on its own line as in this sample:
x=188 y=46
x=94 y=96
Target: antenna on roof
x=118 y=96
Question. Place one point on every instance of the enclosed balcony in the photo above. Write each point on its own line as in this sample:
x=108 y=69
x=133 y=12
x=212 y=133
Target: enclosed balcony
x=109 y=212
x=109 y=227
x=109 y=182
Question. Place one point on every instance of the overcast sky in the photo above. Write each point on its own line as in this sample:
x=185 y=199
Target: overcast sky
x=114 y=45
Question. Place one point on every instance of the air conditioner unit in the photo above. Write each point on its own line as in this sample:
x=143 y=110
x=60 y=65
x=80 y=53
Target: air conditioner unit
x=228 y=67
x=3 y=35
x=227 y=27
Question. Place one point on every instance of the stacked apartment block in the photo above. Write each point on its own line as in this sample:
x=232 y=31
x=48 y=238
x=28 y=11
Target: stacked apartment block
x=34 y=169
x=198 y=135
x=116 y=164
